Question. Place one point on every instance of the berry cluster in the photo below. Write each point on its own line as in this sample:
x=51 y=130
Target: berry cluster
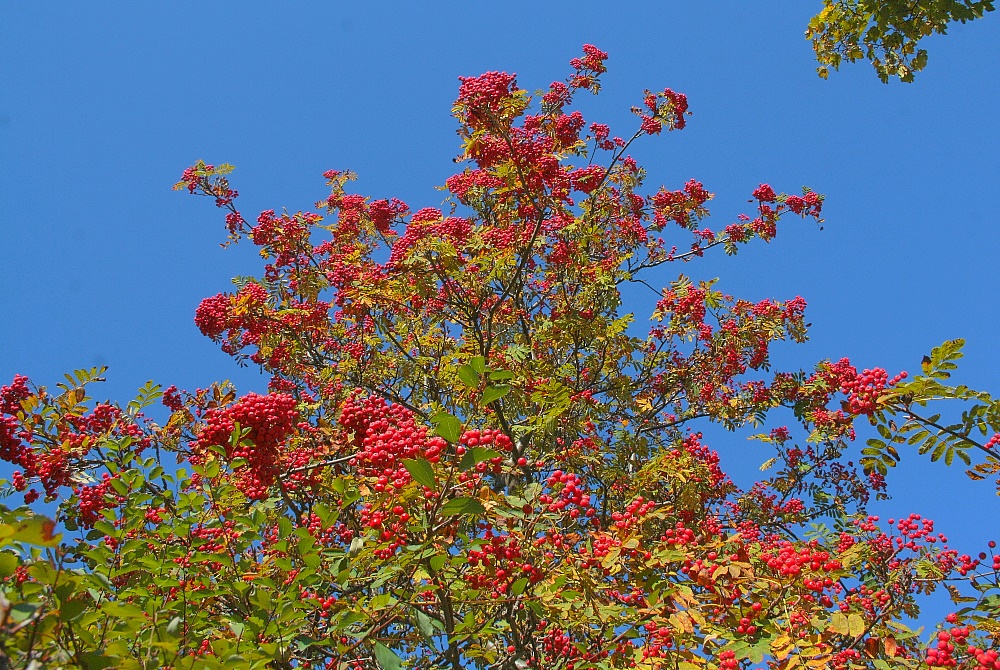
x=684 y=207
x=865 y=389
x=500 y=561
x=588 y=68
x=388 y=526
x=941 y=654
x=667 y=108
x=570 y=493
x=270 y=420
x=93 y=499
x=13 y=449
x=787 y=559
x=486 y=437
x=385 y=435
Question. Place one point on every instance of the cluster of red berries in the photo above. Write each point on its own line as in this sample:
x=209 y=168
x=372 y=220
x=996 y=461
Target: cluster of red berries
x=687 y=306
x=52 y=468
x=388 y=526
x=633 y=514
x=809 y=204
x=271 y=419
x=385 y=435
x=13 y=449
x=659 y=640
x=172 y=399
x=502 y=561
x=728 y=661
x=747 y=625
x=559 y=646
x=865 y=389
x=941 y=654
x=684 y=207
x=868 y=599
x=570 y=493
x=789 y=560
x=212 y=315
x=324 y=603
x=588 y=68
x=602 y=544
x=678 y=536
x=103 y=420
x=489 y=438
x=667 y=107
x=463 y=182
x=93 y=499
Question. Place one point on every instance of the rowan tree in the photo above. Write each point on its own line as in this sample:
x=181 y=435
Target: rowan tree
x=885 y=32
x=470 y=454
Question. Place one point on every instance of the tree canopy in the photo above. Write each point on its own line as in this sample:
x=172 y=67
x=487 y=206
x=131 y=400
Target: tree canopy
x=471 y=456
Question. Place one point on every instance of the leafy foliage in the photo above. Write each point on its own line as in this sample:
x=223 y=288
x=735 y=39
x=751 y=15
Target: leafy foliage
x=885 y=32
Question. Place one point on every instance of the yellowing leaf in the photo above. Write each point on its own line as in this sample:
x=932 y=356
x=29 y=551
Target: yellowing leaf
x=856 y=624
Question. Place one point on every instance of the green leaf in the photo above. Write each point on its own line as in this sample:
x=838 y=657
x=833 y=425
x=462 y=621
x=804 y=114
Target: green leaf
x=468 y=376
x=36 y=530
x=462 y=506
x=494 y=392
x=387 y=658
x=71 y=609
x=424 y=624
x=447 y=426
x=421 y=471
x=8 y=564
x=92 y=660
x=501 y=375
x=476 y=455
x=478 y=364
x=437 y=562
x=939 y=451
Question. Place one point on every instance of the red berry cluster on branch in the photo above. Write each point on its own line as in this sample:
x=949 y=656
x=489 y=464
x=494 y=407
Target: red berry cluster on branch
x=385 y=435
x=865 y=389
x=270 y=420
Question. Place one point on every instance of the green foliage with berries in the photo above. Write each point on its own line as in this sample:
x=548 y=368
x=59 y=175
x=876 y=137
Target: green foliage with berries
x=470 y=457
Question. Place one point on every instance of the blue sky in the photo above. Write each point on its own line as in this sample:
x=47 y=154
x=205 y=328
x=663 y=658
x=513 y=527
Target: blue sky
x=102 y=106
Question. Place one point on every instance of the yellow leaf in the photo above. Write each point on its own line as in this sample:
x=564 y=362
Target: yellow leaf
x=781 y=647
x=839 y=623
x=890 y=646
x=681 y=621
x=856 y=625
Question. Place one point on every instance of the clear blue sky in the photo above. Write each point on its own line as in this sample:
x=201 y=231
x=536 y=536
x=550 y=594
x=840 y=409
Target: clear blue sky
x=103 y=104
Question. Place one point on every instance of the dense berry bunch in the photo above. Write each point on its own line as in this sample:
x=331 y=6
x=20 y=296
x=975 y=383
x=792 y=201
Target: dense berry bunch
x=499 y=561
x=12 y=446
x=269 y=421
x=93 y=499
x=386 y=434
x=487 y=438
x=865 y=389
